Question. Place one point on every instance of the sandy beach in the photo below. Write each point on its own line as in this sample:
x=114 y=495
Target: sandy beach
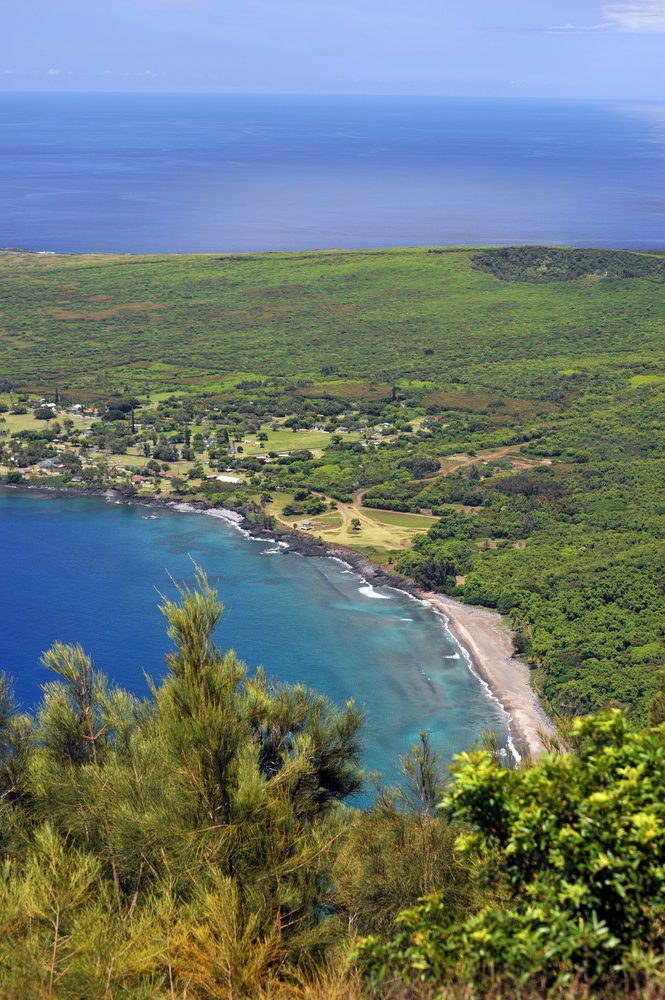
x=489 y=644
x=487 y=639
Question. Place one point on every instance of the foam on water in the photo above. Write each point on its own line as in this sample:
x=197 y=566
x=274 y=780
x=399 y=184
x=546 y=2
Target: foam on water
x=368 y=591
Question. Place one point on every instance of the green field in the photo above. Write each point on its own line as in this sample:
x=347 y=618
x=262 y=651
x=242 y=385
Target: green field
x=287 y=441
x=15 y=423
x=412 y=522
x=155 y=323
x=518 y=395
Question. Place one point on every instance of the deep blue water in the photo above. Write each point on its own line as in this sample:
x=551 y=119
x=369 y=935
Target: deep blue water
x=81 y=570
x=179 y=173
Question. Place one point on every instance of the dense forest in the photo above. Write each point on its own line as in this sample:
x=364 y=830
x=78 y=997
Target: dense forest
x=510 y=403
x=204 y=843
x=102 y=323
x=545 y=264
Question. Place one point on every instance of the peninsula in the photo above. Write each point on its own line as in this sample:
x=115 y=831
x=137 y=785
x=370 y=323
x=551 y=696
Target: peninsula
x=482 y=423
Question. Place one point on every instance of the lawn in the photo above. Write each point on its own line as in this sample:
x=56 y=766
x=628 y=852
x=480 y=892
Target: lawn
x=288 y=440
x=15 y=422
x=382 y=531
x=408 y=522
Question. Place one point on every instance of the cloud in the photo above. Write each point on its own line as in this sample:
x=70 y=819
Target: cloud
x=646 y=17
x=556 y=28
x=53 y=72
x=641 y=17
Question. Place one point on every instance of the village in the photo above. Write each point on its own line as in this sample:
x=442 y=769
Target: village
x=265 y=463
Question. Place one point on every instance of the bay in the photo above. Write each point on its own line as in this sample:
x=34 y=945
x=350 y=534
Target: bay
x=77 y=569
x=177 y=173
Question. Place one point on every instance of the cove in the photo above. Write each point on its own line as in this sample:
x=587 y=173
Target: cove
x=78 y=569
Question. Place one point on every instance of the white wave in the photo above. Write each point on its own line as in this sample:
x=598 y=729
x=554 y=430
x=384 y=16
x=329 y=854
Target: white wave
x=231 y=517
x=517 y=757
x=369 y=591
x=405 y=619
x=412 y=597
x=343 y=562
x=274 y=541
x=469 y=662
x=225 y=515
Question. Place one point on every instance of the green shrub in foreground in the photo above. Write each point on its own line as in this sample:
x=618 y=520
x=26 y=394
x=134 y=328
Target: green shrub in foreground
x=572 y=856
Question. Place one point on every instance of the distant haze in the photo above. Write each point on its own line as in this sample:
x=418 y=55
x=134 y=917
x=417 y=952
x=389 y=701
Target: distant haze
x=548 y=48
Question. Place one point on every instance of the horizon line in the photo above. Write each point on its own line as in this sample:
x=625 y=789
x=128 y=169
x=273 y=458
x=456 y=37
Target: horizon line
x=324 y=94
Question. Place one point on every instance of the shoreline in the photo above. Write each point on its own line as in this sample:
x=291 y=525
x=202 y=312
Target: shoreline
x=481 y=633
x=485 y=639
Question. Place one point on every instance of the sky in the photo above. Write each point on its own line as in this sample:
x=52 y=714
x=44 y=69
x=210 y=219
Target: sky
x=503 y=48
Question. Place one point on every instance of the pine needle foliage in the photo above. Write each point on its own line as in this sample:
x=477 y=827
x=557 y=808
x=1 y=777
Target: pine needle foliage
x=198 y=845
x=181 y=845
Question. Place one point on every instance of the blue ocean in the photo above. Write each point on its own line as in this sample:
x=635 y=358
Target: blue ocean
x=194 y=173
x=82 y=570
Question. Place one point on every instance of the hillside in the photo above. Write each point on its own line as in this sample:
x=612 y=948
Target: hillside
x=100 y=323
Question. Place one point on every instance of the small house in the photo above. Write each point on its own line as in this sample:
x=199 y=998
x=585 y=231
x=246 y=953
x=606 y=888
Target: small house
x=51 y=466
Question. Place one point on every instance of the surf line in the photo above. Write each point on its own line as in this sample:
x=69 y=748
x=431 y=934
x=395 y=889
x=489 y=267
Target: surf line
x=468 y=659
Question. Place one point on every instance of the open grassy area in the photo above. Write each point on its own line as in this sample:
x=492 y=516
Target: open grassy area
x=288 y=440
x=381 y=531
x=407 y=522
x=173 y=323
x=378 y=531
x=14 y=423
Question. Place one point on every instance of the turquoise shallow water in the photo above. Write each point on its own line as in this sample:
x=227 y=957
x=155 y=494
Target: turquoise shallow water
x=80 y=569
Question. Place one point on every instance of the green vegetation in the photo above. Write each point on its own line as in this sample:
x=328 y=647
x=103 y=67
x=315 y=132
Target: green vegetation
x=198 y=845
x=545 y=264
x=569 y=855
x=512 y=398
x=101 y=323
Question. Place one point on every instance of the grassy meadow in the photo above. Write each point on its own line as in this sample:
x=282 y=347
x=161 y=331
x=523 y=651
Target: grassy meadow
x=99 y=323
